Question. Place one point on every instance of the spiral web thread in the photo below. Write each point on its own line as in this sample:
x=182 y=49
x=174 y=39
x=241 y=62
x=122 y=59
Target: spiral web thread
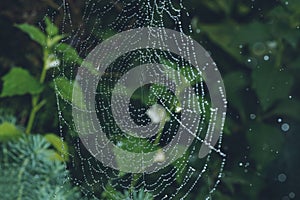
x=92 y=176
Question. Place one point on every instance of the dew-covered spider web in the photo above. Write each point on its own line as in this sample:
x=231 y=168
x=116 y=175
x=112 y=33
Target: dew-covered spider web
x=138 y=117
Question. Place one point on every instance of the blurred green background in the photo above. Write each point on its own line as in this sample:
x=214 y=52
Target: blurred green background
x=254 y=43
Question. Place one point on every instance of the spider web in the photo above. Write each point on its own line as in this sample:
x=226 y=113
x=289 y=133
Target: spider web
x=149 y=104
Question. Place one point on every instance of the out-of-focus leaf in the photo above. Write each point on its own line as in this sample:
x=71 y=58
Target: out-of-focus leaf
x=33 y=32
x=265 y=143
x=8 y=132
x=289 y=108
x=235 y=82
x=219 y=5
x=59 y=145
x=51 y=29
x=271 y=84
x=295 y=64
x=65 y=89
x=292 y=37
x=18 y=82
x=229 y=35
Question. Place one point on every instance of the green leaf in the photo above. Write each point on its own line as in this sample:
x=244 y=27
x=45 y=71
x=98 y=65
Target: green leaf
x=230 y=35
x=289 y=108
x=136 y=145
x=69 y=53
x=8 y=132
x=235 y=82
x=182 y=167
x=111 y=193
x=51 y=29
x=53 y=41
x=219 y=5
x=65 y=88
x=33 y=32
x=104 y=34
x=59 y=145
x=19 y=82
x=271 y=84
x=265 y=143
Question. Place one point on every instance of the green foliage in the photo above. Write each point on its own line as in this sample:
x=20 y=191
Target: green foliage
x=19 y=82
x=51 y=29
x=266 y=142
x=258 y=54
x=272 y=87
x=60 y=146
x=237 y=33
x=111 y=193
x=27 y=160
x=27 y=172
x=69 y=53
x=8 y=131
x=65 y=89
x=236 y=82
x=34 y=33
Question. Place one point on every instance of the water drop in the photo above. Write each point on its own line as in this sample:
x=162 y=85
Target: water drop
x=266 y=57
x=252 y=116
x=292 y=195
x=282 y=178
x=285 y=127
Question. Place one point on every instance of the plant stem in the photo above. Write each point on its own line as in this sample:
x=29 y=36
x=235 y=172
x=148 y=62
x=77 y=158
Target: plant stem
x=31 y=118
x=36 y=105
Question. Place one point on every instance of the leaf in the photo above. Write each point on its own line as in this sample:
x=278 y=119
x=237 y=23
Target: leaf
x=19 y=82
x=53 y=41
x=136 y=146
x=111 y=193
x=182 y=168
x=265 y=142
x=295 y=64
x=270 y=85
x=68 y=52
x=59 y=145
x=33 y=32
x=8 y=131
x=230 y=35
x=51 y=29
x=289 y=108
x=235 y=82
x=65 y=89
